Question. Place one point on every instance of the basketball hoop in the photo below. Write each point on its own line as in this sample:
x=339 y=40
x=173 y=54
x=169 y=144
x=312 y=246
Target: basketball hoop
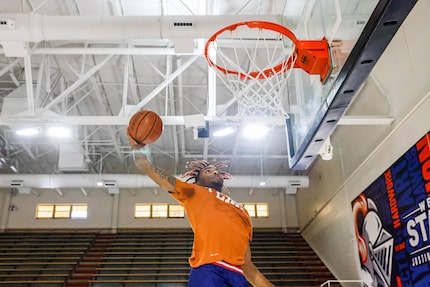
x=254 y=60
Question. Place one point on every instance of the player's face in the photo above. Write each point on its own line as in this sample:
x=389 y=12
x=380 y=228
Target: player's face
x=210 y=177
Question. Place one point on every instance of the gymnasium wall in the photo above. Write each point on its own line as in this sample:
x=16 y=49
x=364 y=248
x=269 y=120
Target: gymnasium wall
x=398 y=87
x=4 y=204
x=112 y=212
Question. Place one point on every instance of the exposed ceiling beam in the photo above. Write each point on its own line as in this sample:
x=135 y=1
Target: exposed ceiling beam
x=29 y=85
x=163 y=85
x=9 y=66
x=167 y=120
x=76 y=84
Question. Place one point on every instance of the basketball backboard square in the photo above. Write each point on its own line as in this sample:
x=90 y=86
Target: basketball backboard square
x=357 y=32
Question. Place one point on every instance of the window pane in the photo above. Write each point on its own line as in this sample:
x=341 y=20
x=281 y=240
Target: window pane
x=44 y=211
x=175 y=210
x=250 y=207
x=262 y=210
x=79 y=211
x=62 y=211
x=159 y=210
x=142 y=210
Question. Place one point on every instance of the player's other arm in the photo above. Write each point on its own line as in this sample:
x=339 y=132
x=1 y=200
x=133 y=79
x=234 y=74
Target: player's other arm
x=142 y=162
x=252 y=274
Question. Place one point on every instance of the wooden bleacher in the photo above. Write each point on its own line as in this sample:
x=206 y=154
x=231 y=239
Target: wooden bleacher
x=287 y=260
x=40 y=259
x=144 y=258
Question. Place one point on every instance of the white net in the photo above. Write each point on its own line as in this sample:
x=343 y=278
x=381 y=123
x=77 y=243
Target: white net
x=254 y=63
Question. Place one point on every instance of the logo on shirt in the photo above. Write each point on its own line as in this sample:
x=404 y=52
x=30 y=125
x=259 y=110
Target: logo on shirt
x=226 y=199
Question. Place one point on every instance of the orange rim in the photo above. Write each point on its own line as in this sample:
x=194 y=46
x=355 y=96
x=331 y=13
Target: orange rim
x=282 y=67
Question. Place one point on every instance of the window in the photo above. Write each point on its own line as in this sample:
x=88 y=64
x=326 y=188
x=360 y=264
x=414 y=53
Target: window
x=158 y=210
x=79 y=211
x=250 y=207
x=262 y=209
x=257 y=209
x=175 y=210
x=142 y=210
x=45 y=211
x=61 y=211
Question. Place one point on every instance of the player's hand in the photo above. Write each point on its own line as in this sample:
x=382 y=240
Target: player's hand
x=139 y=151
x=133 y=143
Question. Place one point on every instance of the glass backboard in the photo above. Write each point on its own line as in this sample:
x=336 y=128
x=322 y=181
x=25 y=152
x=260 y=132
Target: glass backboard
x=357 y=33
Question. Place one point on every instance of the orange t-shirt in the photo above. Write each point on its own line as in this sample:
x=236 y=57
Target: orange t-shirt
x=222 y=227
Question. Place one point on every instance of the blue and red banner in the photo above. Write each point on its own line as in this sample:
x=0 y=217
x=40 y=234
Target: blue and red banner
x=391 y=219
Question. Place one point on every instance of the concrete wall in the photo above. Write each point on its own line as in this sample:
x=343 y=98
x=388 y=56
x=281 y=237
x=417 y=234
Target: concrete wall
x=399 y=87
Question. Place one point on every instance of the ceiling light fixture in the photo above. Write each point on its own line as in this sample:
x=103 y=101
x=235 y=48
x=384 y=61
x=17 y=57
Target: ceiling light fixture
x=28 y=131
x=224 y=131
x=59 y=132
x=255 y=131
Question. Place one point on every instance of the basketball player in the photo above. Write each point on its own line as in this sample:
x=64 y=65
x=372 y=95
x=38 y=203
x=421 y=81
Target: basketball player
x=221 y=255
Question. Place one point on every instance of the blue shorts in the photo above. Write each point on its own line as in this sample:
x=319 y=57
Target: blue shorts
x=217 y=275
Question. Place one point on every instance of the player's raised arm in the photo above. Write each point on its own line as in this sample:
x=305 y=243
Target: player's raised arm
x=144 y=128
x=140 y=155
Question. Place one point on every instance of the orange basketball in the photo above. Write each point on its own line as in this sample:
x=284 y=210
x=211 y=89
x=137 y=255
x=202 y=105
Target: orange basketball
x=145 y=127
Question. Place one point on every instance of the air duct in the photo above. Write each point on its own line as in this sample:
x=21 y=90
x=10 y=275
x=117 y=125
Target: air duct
x=182 y=30
x=33 y=27
x=135 y=181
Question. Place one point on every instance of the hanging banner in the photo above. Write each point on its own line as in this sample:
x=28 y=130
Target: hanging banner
x=391 y=219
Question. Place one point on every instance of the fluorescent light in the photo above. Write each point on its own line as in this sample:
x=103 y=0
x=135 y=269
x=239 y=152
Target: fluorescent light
x=262 y=183
x=255 y=131
x=224 y=131
x=59 y=132
x=28 y=131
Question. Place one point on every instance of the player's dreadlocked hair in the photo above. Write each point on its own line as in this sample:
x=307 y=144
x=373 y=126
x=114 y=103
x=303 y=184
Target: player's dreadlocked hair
x=196 y=166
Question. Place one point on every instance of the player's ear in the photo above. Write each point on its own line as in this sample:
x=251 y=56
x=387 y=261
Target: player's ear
x=197 y=177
